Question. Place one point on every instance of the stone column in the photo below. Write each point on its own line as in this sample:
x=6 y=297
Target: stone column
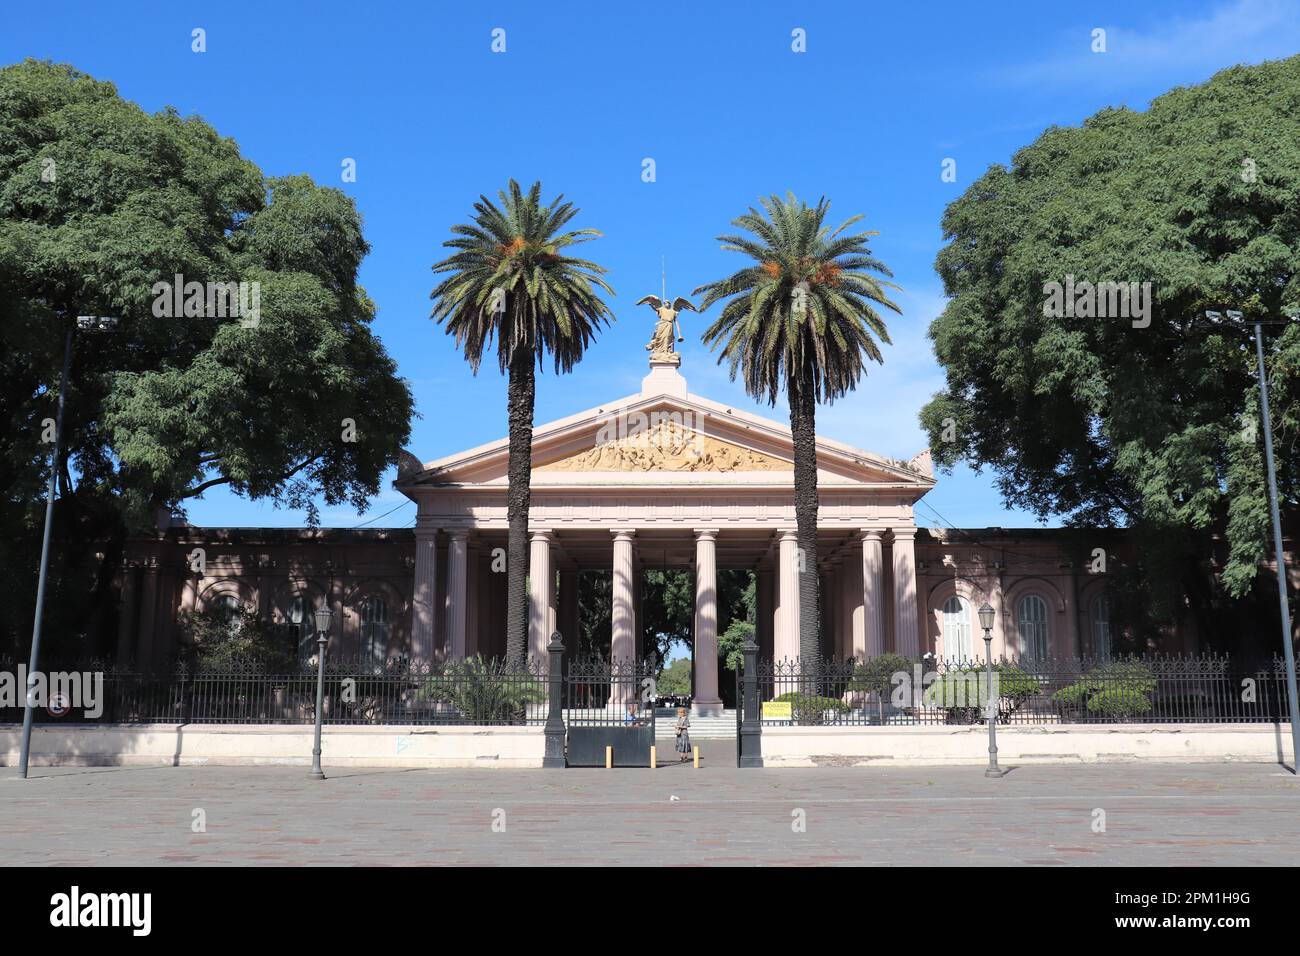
x=827 y=585
x=553 y=612
x=706 y=701
x=457 y=592
x=540 y=574
x=873 y=593
x=786 y=643
x=854 y=641
x=474 y=564
x=338 y=626
x=126 y=620
x=1005 y=632
x=423 y=592
x=623 y=640
x=148 y=614
x=906 y=625
x=765 y=611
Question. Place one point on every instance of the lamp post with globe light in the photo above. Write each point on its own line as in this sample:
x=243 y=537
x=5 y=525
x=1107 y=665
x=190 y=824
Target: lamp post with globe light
x=323 y=617
x=986 y=615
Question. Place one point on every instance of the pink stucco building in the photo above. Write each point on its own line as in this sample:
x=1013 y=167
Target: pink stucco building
x=661 y=478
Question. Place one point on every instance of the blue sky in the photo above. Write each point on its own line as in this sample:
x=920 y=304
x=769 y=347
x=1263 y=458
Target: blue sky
x=584 y=92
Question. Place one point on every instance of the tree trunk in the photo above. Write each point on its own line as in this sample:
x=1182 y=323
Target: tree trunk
x=803 y=427
x=520 y=394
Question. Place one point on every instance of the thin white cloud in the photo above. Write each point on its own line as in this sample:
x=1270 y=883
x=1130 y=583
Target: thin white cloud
x=1183 y=49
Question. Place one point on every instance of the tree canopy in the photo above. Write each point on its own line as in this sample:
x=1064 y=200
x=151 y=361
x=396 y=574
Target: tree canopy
x=1144 y=421
x=99 y=203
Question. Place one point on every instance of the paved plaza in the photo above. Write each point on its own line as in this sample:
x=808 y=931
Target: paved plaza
x=1185 y=815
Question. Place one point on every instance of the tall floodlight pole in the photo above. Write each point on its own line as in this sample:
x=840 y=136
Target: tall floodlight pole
x=83 y=322
x=1283 y=605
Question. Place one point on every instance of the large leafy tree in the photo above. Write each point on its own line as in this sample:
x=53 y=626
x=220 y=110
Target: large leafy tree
x=98 y=202
x=1110 y=420
x=801 y=322
x=512 y=286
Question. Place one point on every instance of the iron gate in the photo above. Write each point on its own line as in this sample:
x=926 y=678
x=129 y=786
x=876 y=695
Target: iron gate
x=609 y=713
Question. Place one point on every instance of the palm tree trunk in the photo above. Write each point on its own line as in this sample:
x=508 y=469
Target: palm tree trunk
x=520 y=394
x=803 y=428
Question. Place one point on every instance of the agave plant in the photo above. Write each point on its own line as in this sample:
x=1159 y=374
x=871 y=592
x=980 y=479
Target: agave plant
x=484 y=691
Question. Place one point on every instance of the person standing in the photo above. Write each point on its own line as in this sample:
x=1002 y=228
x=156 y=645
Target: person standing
x=683 y=734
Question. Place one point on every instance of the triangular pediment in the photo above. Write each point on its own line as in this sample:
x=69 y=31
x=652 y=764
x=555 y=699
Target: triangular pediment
x=665 y=436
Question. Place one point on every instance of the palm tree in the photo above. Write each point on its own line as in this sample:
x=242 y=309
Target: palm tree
x=802 y=321
x=511 y=281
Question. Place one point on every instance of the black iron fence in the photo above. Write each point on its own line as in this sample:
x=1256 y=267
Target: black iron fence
x=594 y=692
x=893 y=690
x=398 y=691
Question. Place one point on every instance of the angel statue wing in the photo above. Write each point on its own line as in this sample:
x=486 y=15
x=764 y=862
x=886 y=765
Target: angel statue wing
x=681 y=302
x=654 y=300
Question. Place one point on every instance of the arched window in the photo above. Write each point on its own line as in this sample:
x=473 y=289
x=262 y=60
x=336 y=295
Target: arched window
x=301 y=624
x=956 y=628
x=374 y=629
x=1101 y=627
x=1031 y=622
x=228 y=611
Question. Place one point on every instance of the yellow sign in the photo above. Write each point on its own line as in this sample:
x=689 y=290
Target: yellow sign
x=778 y=710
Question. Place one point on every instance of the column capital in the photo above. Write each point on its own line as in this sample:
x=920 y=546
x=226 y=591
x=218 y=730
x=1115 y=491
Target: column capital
x=541 y=534
x=623 y=534
x=871 y=534
x=788 y=534
x=423 y=530
x=458 y=534
x=904 y=534
x=706 y=534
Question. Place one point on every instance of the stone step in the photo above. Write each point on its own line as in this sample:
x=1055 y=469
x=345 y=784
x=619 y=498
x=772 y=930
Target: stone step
x=702 y=728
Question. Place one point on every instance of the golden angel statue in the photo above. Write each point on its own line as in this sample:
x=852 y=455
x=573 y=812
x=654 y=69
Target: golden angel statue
x=667 y=331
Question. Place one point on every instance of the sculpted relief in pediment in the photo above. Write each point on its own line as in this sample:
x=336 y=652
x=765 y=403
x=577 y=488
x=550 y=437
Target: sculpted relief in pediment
x=665 y=444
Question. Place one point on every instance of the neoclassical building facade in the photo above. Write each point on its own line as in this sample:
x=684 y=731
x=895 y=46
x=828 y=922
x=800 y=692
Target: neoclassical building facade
x=660 y=479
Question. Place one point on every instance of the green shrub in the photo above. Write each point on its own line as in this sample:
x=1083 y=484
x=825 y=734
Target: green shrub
x=1118 y=689
x=963 y=694
x=876 y=675
x=811 y=709
x=243 y=642
x=485 y=692
x=1119 y=702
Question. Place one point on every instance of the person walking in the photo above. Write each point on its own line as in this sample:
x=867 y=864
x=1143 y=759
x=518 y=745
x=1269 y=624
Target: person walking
x=683 y=735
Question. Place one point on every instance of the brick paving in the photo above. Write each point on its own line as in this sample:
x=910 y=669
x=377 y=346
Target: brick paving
x=1185 y=815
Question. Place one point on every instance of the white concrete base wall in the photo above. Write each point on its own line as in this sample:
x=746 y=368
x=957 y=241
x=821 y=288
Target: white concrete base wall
x=1074 y=743
x=154 y=745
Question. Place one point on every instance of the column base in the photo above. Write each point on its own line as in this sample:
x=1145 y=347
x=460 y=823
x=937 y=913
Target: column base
x=706 y=708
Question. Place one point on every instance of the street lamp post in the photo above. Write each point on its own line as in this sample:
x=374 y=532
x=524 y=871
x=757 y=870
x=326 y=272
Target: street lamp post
x=990 y=701
x=83 y=322
x=1236 y=317
x=323 y=617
